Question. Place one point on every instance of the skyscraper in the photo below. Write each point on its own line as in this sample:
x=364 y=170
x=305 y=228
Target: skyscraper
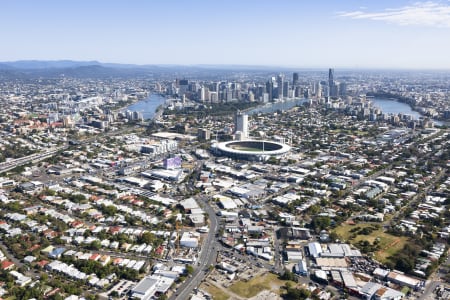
x=183 y=86
x=269 y=89
x=318 y=90
x=202 y=94
x=342 y=89
x=285 y=89
x=332 y=87
x=295 y=79
x=330 y=78
x=280 y=81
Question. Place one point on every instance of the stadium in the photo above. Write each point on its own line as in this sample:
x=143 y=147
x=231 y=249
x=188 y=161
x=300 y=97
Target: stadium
x=254 y=150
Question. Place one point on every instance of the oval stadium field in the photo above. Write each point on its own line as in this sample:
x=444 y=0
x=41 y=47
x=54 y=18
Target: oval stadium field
x=252 y=149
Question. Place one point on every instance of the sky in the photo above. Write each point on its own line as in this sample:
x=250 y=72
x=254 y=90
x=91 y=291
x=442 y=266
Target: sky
x=288 y=33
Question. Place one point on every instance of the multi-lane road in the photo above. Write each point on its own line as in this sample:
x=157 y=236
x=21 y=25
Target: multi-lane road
x=207 y=257
x=11 y=164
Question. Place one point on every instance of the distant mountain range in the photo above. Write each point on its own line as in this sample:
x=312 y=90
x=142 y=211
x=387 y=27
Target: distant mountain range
x=46 y=64
x=93 y=69
x=64 y=64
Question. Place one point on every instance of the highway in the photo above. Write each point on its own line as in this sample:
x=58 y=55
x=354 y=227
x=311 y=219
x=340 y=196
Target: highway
x=11 y=164
x=206 y=258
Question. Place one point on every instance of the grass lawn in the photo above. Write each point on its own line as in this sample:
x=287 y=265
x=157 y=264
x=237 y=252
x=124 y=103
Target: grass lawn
x=216 y=293
x=389 y=244
x=405 y=290
x=251 y=288
x=249 y=149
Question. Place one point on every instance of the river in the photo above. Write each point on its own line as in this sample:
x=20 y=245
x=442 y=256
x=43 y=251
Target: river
x=147 y=106
x=391 y=106
x=388 y=106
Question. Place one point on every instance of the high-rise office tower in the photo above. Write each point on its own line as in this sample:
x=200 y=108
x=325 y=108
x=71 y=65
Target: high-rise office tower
x=280 y=81
x=251 y=96
x=332 y=87
x=330 y=77
x=184 y=86
x=269 y=89
x=203 y=94
x=214 y=87
x=318 y=90
x=214 y=97
x=260 y=91
x=229 y=95
x=286 y=89
x=297 y=91
x=342 y=89
x=295 y=79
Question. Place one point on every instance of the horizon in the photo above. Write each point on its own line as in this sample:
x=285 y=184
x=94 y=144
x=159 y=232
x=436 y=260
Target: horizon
x=106 y=64
x=343 y=35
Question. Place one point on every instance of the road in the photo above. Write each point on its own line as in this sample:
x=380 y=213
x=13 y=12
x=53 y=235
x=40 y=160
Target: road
x=386 y=168
x=278 y=259
x=433 y=281
x=10 y=255
x=207 y=256
x=9 y=165
x=418 y=197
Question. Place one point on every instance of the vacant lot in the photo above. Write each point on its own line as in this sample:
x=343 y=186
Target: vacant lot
x=217 y=293
x=252 y=287
x=388 y=244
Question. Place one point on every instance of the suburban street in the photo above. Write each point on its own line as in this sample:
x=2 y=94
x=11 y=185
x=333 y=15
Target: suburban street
x=433 y=281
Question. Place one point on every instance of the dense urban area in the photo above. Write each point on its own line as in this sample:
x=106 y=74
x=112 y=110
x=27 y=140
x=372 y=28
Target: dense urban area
x=203 y=183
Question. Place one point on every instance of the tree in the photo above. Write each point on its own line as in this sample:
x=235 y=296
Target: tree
x=77 y=198
x=57 y=297
x=49 y=192
x=404 y=263
x=314 y=209
x=95 y=245
x=189 y=269
x=109 y=210
x=114 y=294
x=148 y=238
x=296 y=294
x=288 y=285
x=288 y=275
x=43 y=277
x=320 y=223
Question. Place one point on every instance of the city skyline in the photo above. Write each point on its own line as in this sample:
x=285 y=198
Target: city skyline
x=353 y=34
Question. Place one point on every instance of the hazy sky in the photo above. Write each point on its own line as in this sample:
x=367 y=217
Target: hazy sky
x=293 y=33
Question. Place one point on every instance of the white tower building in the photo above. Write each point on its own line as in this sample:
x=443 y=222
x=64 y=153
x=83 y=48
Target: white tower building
x=241 y=125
